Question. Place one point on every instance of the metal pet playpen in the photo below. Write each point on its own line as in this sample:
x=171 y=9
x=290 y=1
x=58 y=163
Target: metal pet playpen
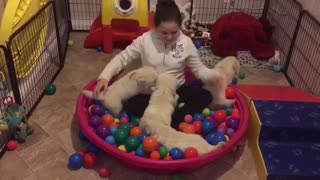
x=296 y=37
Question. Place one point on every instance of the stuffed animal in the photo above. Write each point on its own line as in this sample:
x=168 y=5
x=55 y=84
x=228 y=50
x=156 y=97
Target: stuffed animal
x=238 y=31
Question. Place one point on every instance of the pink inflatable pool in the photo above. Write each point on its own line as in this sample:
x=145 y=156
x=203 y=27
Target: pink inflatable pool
x=153 y=166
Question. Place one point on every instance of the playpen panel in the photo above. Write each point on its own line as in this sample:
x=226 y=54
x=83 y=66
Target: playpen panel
x=304 y=65
x=284 y=15
x=4 y=78
x=42 y=60
x=208 y=11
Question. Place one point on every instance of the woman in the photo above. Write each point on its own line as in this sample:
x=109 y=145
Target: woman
x=168 y=50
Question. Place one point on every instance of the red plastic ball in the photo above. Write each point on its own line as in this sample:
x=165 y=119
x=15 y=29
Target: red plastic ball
x=197 y=127
x=189 y=129
x=136 y=131
x=220 y=116
x=167 y=158
x=230 y=93
x=124 y=120
x=12 y=145
x=82 y=153
x=155 y=155
x=209 y=118
x=104 y=172
x=223 y=125
x=182 y=125
x=190 y=153
x=235 y=113
x=90 y=160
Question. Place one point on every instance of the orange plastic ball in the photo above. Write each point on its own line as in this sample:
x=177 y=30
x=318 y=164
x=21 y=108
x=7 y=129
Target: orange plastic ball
x=167 y=158
x=107 y=120
x=197 y=127
x=136 y=132
x=190 y=153
x=189 y=129
x=150 y=144
x=155 y=155
x=114 y=124
x=182 y=125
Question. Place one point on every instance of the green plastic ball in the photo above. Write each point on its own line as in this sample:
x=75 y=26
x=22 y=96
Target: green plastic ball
x=180 y=105
x=116 y=120
x=135 y=121
x=125 y=127
x=228 y=111
x=206 y=112
x=50 y=89
x=121 y=136
x=242 y=75
x=132 y=143
x=163 y=152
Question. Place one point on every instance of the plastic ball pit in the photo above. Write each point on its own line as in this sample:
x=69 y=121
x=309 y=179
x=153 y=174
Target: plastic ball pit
x=156 y=166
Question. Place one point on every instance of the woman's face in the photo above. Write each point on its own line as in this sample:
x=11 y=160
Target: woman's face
x=168 y=32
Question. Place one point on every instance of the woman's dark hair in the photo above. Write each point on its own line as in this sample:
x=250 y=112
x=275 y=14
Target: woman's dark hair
x=167 y=10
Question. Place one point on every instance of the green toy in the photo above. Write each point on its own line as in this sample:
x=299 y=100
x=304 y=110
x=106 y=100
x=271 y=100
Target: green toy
x=132 y=144
x=242 y=75
x=50 y=89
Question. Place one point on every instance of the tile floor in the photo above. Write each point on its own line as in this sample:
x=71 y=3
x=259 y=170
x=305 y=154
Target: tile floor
x=45 y=154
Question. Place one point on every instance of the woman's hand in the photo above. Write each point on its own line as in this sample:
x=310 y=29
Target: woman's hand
x=101 y=87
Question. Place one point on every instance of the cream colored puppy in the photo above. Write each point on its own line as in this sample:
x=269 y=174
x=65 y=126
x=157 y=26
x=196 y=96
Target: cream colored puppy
x=156 y=119
x=219 y=79
x=137 y=81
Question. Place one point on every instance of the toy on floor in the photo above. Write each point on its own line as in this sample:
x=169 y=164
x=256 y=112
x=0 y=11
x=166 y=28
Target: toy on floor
x=120 y=21
x=28 y=46
x=50 y=89
x=238 y=31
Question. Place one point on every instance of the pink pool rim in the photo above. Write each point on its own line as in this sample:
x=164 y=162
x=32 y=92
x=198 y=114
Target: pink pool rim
x=154 y=166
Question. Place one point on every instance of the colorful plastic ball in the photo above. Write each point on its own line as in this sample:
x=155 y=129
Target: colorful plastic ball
x=103 y=131
x=167 y=158
x=90 y=160
x=230 y=132
x=4 y=127
x=96 y=110
x=121 y=136
x=82 y=137
x=277 y=68
x=97 y=102
x=116 y=120
x=215 y=138
x=219 y=116
x=110 y=140
x=82 y=153
x=131 y=125
x=123 y=115
x=135 y=121
x=222 y=131
x=232 y=123
x=242 y=75
x=197 y=127
x=227 y=138
x=235 y=81
x=198 y=117
x=182 y=125
x=223 y=125
x=140 y=152
x=104 y=172
x=163 y=152
x=155 y=155
x=122 y=148
x=93 y=149
x=208 y=126
x=105 y=112
x=150 y=144
x=236 y=116
x=115 y=125
x=12 y=145
x=76 y=161
x=113 y=130
x=180 y=105
x=228 y=111
x=198 y=43
x=189 y=129
x=188 y=118
x=107 y=119
x=125 y=127
x=212 y=113
x=50 y=89
x=206 y=112
x=132 y=143
x=100 y=49
x=70 y=43
x=136 y=132
x=230 y=93
x=124 y=120
x=95 y=121
x=176 y=153
x=191 y=153
x=142 y=137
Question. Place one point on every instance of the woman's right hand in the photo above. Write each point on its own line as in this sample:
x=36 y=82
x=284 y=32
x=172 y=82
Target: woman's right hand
x=101 y=87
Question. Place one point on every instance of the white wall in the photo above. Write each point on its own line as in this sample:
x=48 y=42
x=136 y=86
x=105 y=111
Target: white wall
x=313 y=6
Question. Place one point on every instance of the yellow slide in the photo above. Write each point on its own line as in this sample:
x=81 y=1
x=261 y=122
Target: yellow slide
x=28 y=43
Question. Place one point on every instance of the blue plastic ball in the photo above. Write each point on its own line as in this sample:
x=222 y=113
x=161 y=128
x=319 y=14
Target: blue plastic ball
x=176 y=153
x=82 y=137
x=142 y=137
x=198 y=117
x=100 y=49
x=110 y=140
x=277 y=68
x=208 y=126
x=75 y=161
x=106 y=112
x=197 y=43
x=97 y=102
x=235 y=81
x=93 y=149
x=125 y=115
x=140 y=152
x=113 y=130
x=212 y=113
x=215 y=138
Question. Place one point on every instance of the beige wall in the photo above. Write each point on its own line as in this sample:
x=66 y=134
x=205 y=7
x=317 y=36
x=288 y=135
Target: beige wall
x=313 y=6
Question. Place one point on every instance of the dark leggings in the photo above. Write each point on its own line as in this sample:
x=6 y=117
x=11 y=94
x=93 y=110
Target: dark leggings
x=195 y=99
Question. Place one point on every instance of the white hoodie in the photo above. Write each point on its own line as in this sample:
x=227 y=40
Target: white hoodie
x=164 y=58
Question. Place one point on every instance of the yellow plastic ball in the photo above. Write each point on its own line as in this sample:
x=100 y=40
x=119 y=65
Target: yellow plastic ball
x=116 y=120
x=122 y=148
x=227 y=138
x=4 y=127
